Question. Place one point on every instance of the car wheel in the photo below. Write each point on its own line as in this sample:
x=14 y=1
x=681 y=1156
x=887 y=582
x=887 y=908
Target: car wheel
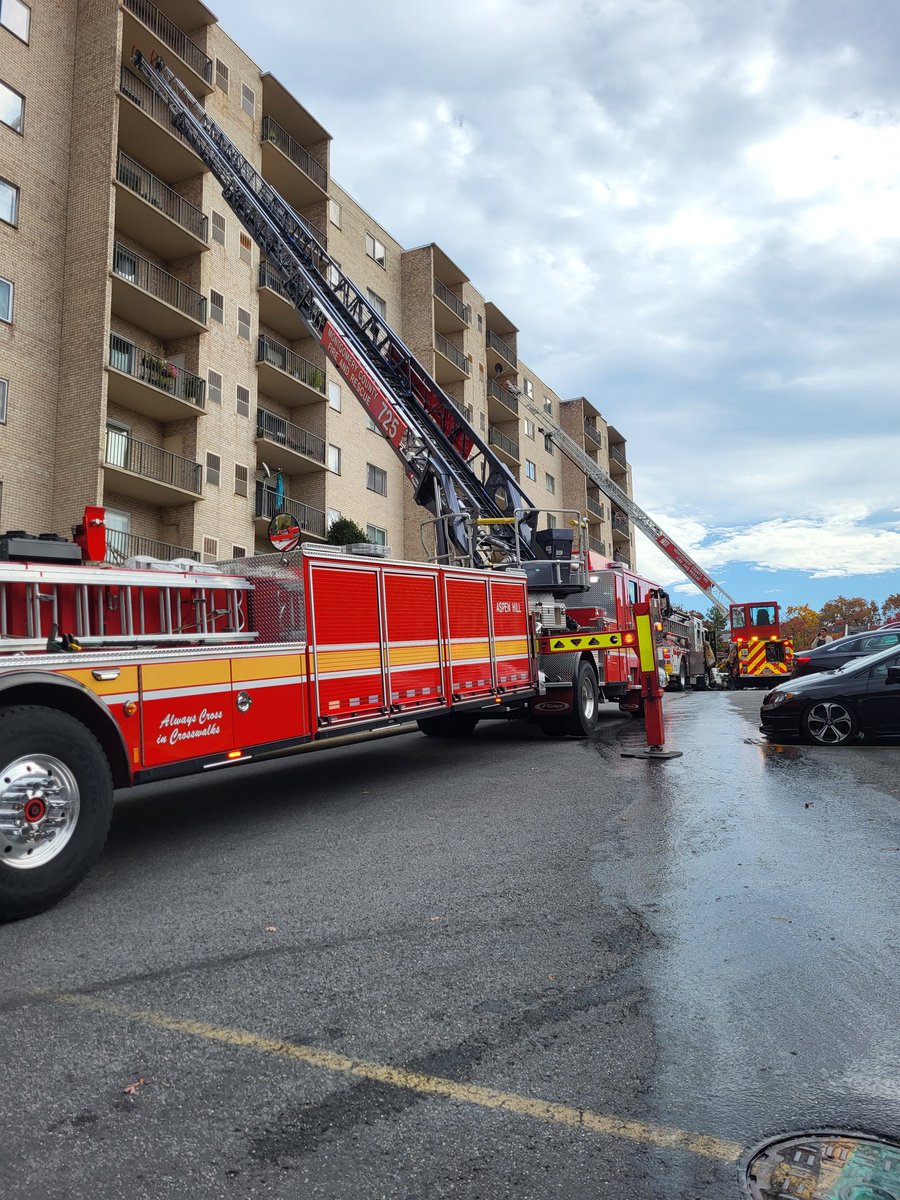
x=828 y=723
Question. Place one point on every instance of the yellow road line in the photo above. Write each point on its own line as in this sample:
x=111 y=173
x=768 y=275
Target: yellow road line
x=426 y=1085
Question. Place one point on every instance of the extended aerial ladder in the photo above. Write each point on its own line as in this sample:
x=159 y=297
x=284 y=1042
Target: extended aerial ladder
x=455 y=474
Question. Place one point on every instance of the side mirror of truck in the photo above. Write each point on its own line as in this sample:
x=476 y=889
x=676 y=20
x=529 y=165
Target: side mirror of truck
x=284 y=532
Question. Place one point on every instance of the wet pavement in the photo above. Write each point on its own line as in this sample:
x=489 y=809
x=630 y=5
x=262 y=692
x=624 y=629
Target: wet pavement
x=498 y=967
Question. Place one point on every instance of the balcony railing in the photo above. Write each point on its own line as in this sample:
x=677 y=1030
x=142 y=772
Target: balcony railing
x=595 y=507
x=443 y=293
x=450 y=351
x=157 y=372
x=142 y=94
x=502 y=442
x=152 y=462
x=592 y=432
x=507 y=399
x=595 y=544
x=287 y=360
x=173 y=37
x=505 y=351
x=620 y=523
x=622 y=558
x=272 y=132
x=140 y=181
x=292 y=437
x=268 y=503
x=159 y=283
x=618 y=455
x=121 y=546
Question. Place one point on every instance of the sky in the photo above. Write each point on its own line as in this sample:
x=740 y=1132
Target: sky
x=691 y=210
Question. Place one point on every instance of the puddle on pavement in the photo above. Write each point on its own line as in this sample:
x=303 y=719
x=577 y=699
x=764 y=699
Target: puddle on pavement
x=828 y=1165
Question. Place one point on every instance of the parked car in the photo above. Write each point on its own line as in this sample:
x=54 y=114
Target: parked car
x=844 y=650
x=832 y=707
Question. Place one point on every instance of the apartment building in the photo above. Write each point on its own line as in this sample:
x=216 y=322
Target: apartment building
x=149 y=359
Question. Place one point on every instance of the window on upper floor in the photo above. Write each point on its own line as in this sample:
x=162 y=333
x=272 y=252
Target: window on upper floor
x=530 y=469
x=334 y=396
x=214 y=391
x=210 y=549
x=549 y=444
x=242 y=401
x=379 y=304
x=334 y=212
x=550 y=481
x=248 y=100
x=221 y=76
x=241 y=479
x=376 y=479
x=370 y=425
x=213 y=469
x=376 y=535
x=375 y=250
x=218 y=227
x=4 y=396
x=6 y=300
x=12 y=107
x=334 y=459
x=9 y=202
x=216 y=307
x=334 y=514
x=246 y=250
x=529 y=429
x=548 y=405
x=528 y=388
x=243 y=324
x=16 y=17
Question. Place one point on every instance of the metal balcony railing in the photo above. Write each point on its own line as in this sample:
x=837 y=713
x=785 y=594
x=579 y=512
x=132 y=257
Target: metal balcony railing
x=287 y=360
x=142 y=94
x=150 y=278
x=443 y=293
x=450 y=351
x=172 y=36
x=622 y=558
x=152 y=462
x=620 y=523
x=121 y=546
x=292 y=437
x=140 y=181
x=504 y=350
x=595 y=507
x=618 y=455
x=593 y=433
x=155 y=371
x=596 y=544
x=272 y=132
x=268 y=503
x=496 y=438
x=506 y=398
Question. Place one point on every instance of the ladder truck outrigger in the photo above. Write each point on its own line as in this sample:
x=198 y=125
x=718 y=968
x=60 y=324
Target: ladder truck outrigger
x=116 y=676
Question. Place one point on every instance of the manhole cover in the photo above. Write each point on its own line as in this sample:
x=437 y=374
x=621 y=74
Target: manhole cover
x=828 y=1165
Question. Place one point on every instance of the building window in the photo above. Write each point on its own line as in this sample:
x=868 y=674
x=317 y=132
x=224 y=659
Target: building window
x=334 y=213
x=379 y=305
x=480 y=321
x=12 y=108
x=242 y=401
x=243 y=324
x=213 y=469
x=528 y=388
x=246 y=247
x=549 y=444
x=4 y=393
x=210 y=549
x=375 y=250
x=238 y=551
x=248 y=100
x=6 y=301
x=333 y=274
x=216 y=307
x=215 y=387
x=376 y=479
x=376 y=535
x=241 y=476
x=551 y=521
x=550 y=481
x=370 y=425
x=530 y=469
x=218 y=227
x=334 y=396
x=548 y=405
x=16 y=17
x=481 y=421
x=468 y=411
x=334 y=459
x=221 y=76
x=529 y=429
x=9 y=202
x=334 y=514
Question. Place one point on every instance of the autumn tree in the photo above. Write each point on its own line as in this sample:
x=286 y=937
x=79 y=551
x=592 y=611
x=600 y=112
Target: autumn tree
x=890 y=610
x=716 y=622
x=801 y=624
x=855 y=613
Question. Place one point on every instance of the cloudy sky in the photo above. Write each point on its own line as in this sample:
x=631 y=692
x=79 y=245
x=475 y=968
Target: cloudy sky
x=691 y=209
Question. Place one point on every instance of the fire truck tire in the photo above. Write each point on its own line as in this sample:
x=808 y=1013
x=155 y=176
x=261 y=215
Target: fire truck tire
x=582 y=720
x=55 y=807
x=453 y=725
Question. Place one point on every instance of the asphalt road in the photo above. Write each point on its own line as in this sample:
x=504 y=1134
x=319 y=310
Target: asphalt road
x=500 y=967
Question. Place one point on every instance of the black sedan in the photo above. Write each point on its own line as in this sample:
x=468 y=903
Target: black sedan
x=844 y=650
x=831 y=708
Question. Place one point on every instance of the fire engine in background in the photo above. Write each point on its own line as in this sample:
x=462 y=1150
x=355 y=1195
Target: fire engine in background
x=758 y=655
x=688 y=658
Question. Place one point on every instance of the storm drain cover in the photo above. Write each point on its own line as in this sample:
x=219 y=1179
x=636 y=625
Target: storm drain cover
x=828 y=1165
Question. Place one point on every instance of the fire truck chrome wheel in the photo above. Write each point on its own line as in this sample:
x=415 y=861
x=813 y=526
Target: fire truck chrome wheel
x=39 y=807
x=829 y=724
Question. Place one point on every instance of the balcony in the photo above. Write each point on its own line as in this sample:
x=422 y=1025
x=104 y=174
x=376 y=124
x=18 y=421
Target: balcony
x=121 y=546
x=287 y=447
x=593 y=434
x=145 y=383
x=450 y=364
x=506 y=446
x=268 y=503
x=620 y=525
x=450 y=314
x=191 y=66
x=149 y=211
x=146 y=132
x=148 y=472
x=499 y=353
x=595 y=508
x=286 y=376
x=502 y=405
x=149 y=297
x=289 y=168
x=622 y=558
x=596 y=545
x=276 y=309
x=617 y=455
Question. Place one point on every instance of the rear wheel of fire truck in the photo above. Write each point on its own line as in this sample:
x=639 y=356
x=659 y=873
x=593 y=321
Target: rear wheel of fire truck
x=55 y=807
x=582 y=720
x=450 y=726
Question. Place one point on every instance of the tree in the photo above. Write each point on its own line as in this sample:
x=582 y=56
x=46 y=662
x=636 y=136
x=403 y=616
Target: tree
x=854 y=613
x=801 y=625
x=344 y=532
x=716 y=622
x=890 y=610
